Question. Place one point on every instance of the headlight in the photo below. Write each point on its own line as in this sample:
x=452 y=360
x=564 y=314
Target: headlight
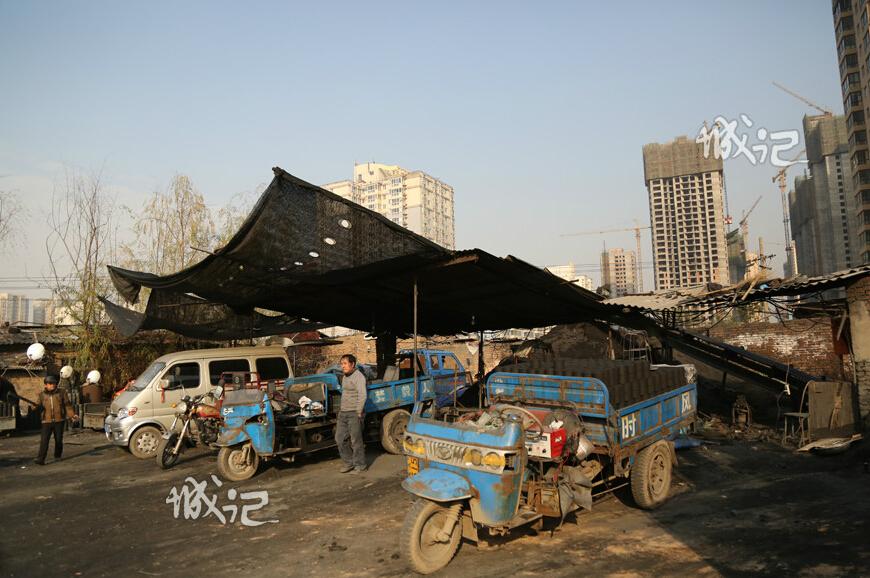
x=413 y=446
x=122 y=413
x=472 y=457
x=493 y=460
x=181 y=407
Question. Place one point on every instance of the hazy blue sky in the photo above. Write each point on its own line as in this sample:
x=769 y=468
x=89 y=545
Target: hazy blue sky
x=535 y=113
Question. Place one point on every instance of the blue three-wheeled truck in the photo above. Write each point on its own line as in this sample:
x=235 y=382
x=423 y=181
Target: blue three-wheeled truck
x=552 y=435
x=270 y=420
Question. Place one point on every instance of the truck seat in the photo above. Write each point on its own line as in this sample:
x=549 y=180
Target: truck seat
x=315 y=391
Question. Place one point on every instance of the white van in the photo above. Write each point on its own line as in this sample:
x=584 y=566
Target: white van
x=139 y=416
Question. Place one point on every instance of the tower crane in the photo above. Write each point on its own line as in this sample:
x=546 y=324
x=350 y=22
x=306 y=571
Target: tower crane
x=637 y=228
x=803 y=100
x=780 y=179
x=744 y=225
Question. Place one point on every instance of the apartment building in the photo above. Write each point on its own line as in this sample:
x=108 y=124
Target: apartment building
x=412 y=199
x=619 y=271
x=852 y=33
x=569 y=273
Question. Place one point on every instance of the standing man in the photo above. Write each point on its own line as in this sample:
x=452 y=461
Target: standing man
x=349 y=429
x=56 y=409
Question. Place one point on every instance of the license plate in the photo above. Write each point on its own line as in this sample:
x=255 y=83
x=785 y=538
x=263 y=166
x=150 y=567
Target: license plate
x=413 y=466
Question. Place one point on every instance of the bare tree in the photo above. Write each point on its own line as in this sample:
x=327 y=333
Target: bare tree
x=11 y=213
x=81 y=241
x=231 y=216
x=171 y=230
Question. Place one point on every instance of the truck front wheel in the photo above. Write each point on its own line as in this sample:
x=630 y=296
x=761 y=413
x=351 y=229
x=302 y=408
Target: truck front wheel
x=393 y=430
x=651 y=475
x=238 y=463
x=424 y=541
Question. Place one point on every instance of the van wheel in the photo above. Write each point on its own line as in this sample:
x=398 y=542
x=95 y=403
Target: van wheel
x=144 y=442
x=651 y=476
x=238 y=463
x=393 y=429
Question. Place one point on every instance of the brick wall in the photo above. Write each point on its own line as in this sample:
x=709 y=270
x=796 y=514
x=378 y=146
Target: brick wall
x=315 y=359
x=805 y=343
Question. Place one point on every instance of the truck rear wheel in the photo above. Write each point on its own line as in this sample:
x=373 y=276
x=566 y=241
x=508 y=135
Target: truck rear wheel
x=236 y=463
x=651 y=476
x=420 y=537
x=393 y=429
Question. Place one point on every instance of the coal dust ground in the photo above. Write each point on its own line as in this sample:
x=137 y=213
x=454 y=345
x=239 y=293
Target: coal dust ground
x=738 y=508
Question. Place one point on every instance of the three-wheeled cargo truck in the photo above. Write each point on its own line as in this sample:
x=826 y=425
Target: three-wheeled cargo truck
x=269 y=420
x=550 y=437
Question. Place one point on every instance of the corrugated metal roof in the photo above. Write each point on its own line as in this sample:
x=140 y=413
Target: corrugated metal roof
x=788 y=287
x=701 y=295
x=659 y=300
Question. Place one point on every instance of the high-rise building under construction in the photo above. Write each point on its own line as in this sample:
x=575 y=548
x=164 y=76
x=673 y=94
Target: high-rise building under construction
x=687 y=213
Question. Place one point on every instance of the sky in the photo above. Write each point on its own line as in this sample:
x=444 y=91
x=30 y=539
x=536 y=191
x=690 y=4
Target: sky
x=536 y=113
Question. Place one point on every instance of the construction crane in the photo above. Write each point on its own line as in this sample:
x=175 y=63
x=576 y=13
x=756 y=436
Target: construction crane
x=780 y=179
x=802 y=99
x=637 y=228
x=744 y=226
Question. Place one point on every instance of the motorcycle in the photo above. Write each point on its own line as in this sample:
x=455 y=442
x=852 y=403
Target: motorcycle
x=200 y=419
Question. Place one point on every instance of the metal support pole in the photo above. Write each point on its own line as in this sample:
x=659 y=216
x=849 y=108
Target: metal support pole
x=480 y=369
x=414 y=361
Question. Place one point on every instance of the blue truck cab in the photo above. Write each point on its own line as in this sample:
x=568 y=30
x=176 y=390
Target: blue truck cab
x=551 y=435
x=283 y=420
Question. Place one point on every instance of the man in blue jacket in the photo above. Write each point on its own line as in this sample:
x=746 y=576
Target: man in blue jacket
x=349 y=429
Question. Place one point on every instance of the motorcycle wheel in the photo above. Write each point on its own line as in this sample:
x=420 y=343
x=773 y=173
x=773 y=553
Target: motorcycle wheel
x=166 y=457
x=419 y=542
x=232 y=464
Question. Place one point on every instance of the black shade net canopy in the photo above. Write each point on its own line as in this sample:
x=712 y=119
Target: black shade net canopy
x=306 y=257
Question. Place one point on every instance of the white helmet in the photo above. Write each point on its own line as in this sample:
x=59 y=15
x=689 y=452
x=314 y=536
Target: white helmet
x=36 y=352
x=66 y=372
x=93 y=376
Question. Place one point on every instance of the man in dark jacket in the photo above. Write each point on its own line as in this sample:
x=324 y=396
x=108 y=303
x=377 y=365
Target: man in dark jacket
x=56 y=409
x=349 y=429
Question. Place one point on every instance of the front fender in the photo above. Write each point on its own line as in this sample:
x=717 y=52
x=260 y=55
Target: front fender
x=438 y=485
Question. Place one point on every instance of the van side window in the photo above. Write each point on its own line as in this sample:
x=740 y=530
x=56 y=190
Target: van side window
x=433 y=359
x=218 y=367
x=272 y=368
x=183 y=375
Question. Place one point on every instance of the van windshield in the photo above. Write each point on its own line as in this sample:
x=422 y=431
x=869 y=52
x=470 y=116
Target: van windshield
x=145 y=378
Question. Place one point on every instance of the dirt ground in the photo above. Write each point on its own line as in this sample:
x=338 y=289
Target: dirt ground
x=739 y=508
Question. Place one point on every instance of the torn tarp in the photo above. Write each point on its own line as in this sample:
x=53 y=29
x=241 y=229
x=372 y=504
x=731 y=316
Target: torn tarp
x=310 y=254
x=205 y=320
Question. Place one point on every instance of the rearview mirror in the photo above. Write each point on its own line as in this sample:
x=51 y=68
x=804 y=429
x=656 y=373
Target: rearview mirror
x=162 y=384
x=217 y=392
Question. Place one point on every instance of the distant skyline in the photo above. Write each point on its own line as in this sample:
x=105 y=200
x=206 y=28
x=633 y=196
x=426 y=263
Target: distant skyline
x=535 y=114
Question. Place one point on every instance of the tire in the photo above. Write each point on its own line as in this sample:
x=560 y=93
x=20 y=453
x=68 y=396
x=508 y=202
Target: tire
x=230 y=464
x=422 y=522
x=144 y=442
x=651 y=476
x=165 y=458
x=393 y=429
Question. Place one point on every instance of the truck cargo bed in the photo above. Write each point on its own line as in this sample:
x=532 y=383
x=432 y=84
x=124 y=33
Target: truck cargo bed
x=628 y=382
